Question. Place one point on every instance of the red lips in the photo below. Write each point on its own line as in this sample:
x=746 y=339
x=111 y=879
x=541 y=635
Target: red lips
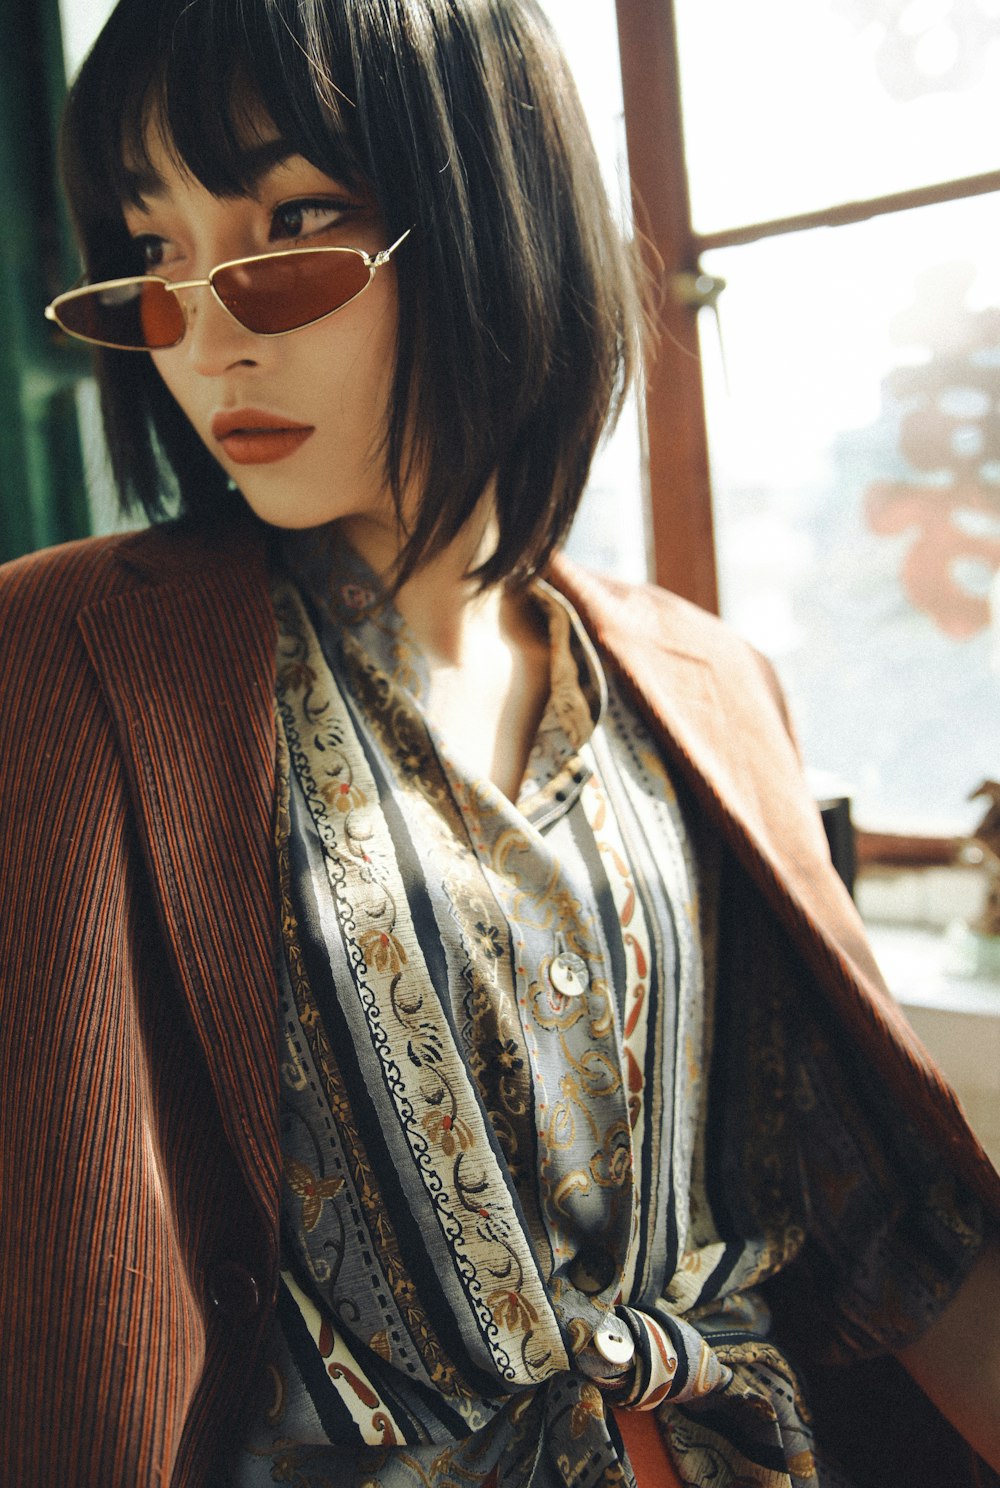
x=251 y=436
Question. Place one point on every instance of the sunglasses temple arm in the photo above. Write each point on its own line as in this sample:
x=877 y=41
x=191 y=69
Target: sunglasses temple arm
x=387 y=253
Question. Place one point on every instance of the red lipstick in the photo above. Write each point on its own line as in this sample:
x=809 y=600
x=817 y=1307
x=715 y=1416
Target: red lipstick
x=251 y=436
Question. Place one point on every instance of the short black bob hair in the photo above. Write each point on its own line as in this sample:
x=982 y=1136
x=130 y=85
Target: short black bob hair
x=519 y=315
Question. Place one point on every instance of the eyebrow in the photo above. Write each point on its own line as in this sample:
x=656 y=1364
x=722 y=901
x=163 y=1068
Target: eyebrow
x=253 y=163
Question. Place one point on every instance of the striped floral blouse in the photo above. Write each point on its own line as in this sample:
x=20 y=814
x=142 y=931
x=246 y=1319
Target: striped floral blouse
x=531 y=1140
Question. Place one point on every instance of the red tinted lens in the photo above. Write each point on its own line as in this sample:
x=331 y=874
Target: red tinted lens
x=288 y=290
x=139 y=313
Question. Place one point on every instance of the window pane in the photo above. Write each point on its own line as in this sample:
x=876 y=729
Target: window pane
x=611 y=530
x=81 y=21
x=856 y=467
x=790 y=107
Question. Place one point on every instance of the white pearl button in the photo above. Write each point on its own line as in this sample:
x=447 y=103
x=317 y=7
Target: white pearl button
x=614 y=1343
x=568 y=974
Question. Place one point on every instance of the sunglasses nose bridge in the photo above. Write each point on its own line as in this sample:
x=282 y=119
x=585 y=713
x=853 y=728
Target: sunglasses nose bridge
x=176 y=287
x=188 y=309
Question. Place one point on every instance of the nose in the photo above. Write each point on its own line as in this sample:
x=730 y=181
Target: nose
x=213 y=341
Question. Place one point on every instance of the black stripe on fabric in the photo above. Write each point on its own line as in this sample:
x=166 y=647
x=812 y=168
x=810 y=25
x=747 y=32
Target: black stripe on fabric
x=364 y=1108
x=658 y=910
x=418 y=897
x=728 y=1427
x=664 y=1004
x=654 y=1051
x=680 y=1346
x=652 y=1080
x=726 y=1097
x=651 y=1073
x=611 y=1422
x=607 y=911
x=719 y=1171
x=338 y=1424
x=672 y=1231
x=721 y=1272
x=432 y=1404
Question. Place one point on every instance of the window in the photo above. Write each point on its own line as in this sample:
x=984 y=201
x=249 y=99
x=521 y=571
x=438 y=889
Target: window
x=839 y=162
x=611 y=532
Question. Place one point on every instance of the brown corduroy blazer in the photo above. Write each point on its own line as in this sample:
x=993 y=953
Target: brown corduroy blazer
x=138 y=1074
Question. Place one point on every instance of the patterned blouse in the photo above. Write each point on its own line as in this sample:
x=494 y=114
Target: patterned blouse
x=531 y=1139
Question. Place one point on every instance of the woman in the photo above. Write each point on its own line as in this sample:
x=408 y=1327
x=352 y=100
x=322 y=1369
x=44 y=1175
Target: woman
x=440 y=1049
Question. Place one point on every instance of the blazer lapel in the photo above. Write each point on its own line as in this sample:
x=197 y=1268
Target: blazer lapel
x=186 y=660
x=706 y=694
x=703 y=689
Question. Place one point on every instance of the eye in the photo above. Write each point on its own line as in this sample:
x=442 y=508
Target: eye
x=149 y=250
x=305 y=217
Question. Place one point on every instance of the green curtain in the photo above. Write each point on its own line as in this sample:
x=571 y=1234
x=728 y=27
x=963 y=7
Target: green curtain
x=43 y=496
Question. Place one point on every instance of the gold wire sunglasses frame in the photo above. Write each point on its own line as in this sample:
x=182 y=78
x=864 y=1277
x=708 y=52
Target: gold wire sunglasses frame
x=269 y=294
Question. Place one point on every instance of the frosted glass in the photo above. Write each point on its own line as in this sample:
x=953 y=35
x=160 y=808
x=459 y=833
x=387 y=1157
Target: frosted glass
x=856 y=472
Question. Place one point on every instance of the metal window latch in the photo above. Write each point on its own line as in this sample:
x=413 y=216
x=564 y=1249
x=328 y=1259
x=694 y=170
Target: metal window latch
x=699 y=291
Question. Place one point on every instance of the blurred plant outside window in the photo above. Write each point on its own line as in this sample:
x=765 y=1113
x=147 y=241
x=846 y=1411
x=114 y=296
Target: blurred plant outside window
x=852 y=381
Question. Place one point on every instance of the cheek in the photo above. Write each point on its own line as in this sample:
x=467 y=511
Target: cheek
x=349 y=379
x=368 y=360
x=171 y=371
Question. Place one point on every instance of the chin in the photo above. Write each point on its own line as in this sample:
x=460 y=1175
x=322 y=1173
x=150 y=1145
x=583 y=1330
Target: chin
x=293 y=521
x=285 y=511
x=371 y=527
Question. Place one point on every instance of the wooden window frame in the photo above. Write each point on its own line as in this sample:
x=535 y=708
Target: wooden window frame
x=680 y=498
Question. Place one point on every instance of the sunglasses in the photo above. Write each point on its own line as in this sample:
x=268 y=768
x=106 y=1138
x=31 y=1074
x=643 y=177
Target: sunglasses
x=270 y=294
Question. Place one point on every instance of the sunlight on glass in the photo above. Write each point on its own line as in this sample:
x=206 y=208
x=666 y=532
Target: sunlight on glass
x=856 y=471
x=610 y=532
x=789 y=107
x=81 y=21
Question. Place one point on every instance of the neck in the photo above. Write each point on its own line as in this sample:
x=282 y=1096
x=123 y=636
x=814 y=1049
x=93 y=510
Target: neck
x=486 y=651
x=446 y=611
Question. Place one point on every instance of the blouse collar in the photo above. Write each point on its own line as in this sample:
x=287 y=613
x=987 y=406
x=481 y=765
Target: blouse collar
x=363 y=622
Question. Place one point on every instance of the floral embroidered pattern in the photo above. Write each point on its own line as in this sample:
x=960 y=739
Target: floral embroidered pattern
x=310 y=1189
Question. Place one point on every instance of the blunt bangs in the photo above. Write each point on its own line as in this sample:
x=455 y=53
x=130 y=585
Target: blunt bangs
x=518 y=308
x=207 y=80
